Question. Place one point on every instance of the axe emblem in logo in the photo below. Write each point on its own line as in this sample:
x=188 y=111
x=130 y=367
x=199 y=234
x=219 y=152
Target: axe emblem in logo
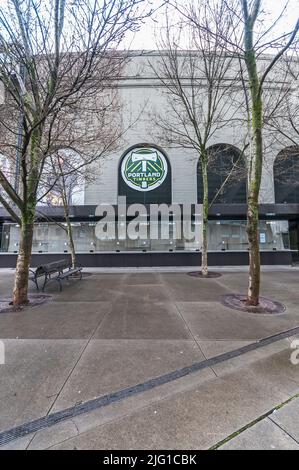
x=144 y=169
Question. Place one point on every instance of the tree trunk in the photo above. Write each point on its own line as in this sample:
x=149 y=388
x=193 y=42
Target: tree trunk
x=70 y=234
x=255 y=165
x=254 y=252
x=71 y=243
x=29 y=188
x=205 y=211
x=254 y=184
x=20 y=292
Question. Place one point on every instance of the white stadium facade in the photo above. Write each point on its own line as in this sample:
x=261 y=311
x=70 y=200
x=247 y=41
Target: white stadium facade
x=145 y=170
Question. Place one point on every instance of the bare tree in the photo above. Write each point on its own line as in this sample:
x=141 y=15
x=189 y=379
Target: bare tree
x=63 y=172
x=251 y=12
x=249 y=37
x=282 y=119
x=72 y=164
x=199 y=85
x=55 y=57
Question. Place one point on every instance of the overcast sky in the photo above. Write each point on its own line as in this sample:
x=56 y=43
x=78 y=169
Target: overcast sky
x=145 y=38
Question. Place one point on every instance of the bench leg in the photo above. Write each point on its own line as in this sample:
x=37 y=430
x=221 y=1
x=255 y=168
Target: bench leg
x=45 y=282
x=35 y=282
x=44 y=285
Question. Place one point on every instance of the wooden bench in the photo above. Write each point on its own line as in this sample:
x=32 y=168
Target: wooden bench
x=55 y=271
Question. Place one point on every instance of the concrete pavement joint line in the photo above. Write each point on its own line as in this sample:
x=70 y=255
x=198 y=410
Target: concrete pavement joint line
x=105 y=400
x=192 y=335
x=282 y=429
x=30 y=442
x=188 y=328
x=80 y=355
x=75 y=364
x=257 y=420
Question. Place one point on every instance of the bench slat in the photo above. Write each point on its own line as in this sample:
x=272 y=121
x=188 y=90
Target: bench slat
x=69 y=273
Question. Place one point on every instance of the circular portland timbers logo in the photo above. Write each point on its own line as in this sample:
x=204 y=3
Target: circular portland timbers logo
x=144 y=169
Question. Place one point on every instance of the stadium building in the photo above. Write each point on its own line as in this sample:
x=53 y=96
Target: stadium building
x=146 y=171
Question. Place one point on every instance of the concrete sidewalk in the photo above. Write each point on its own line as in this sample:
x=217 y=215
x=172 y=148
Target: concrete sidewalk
x=278 y=431
x=112 y=331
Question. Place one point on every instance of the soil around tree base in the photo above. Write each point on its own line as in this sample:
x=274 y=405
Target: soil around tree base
x=6 y=303
x=199 y=274
x=266 y=306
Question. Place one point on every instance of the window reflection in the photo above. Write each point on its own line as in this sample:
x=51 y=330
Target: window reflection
x=231 y=235
x=223 y=235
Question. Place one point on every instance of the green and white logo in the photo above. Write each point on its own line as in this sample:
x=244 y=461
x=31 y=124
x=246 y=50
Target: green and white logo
x=144 y=169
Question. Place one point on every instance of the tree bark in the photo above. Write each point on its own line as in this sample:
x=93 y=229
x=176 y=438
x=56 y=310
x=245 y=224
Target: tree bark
x=20 y=292
x=205 y=211
x=255 y=165
x=254 y=184
x=29 y=188
x=71 y=239
x=68 y=222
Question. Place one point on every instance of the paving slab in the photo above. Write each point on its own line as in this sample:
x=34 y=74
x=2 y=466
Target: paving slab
x=6 y=284
x=69 y=320
x=110 y=365
x=289 y=275
x=264 y=435
x=135 y=279
x=250 y=357
x=184 y=288
x=271 y=364
x=195 y=419
x=88 y=421
x=89 y=289
x=19 y=444
x=277 y=286
x=144 y=293
x=50 y=436
x=32 y=376
x=141 y=324
x=144 y=320
x=237 y=282
x=287 y=418
x=217 y=347
x=211 y=320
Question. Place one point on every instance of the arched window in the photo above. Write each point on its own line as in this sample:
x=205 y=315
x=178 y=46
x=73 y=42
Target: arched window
x=286 y=176
x=63 y=173
x=7 y=169
x=144 y=176
x=226 y=175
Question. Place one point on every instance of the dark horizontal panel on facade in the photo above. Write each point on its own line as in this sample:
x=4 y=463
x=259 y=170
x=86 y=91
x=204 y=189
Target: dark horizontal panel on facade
x=150 y=259
x=285 y=211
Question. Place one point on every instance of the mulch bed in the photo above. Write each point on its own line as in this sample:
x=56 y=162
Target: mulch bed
x=199 y=274
x=266 y=306
x=6 y=307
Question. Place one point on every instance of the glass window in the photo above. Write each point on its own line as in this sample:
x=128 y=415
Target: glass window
x=223 y=235
x=226 y=176
x=286 y=176
x=231 y=235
